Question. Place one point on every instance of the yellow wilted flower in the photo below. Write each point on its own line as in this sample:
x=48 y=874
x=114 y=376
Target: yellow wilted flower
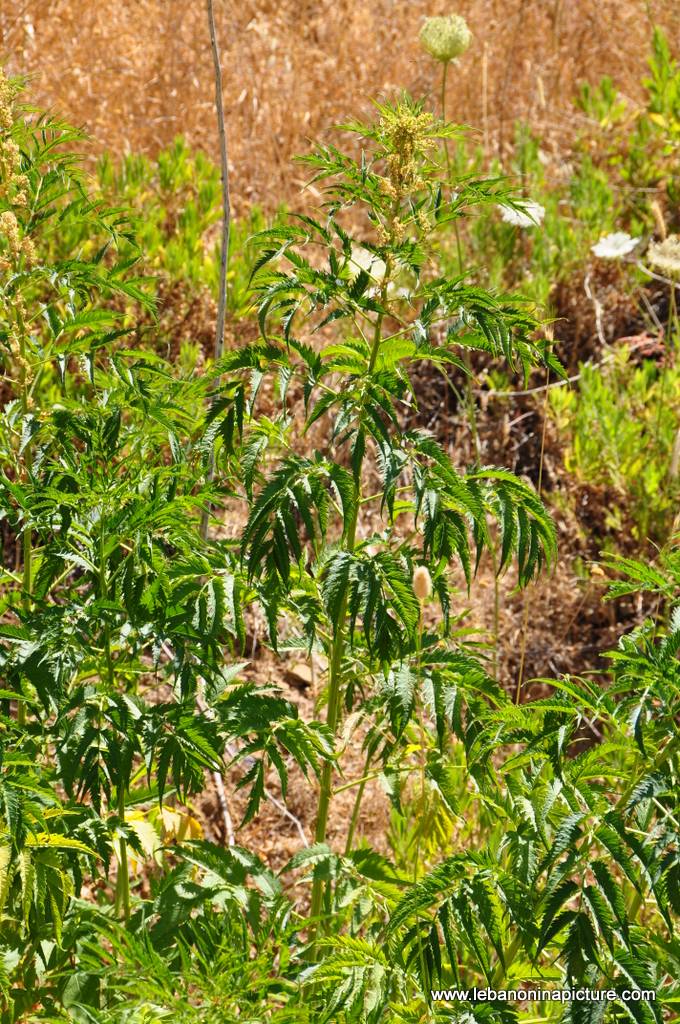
x=149 y=841
x=179 y=825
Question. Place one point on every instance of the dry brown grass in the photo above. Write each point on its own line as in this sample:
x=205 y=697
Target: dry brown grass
x=135 y=74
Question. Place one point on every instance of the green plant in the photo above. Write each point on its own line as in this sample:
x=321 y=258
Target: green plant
x=322 y=546
x=618 y=428
x=640 y=143
x=532 y=844
x=202 y=925
x=118 y=618
x=565 y=866
x=176 y=203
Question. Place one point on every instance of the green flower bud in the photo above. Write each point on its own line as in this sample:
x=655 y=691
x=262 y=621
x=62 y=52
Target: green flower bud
x=445 y=38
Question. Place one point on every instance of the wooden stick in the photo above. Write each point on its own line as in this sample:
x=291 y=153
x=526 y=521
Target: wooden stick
x=226 y=219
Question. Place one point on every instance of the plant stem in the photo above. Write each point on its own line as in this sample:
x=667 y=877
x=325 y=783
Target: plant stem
x=469 y=398
x=673 y=341
x=501 y=972
x=338 y=645
x=445 y=71
x=356 y=809
x=459 y=247
x=527 y=595
x=496 y=607
x=27 y=586
x=332 y=718
x=422 y=755
x=423 y=790
x=123 y=879
x=27 y=538
x=470 y=406
x=103 y=593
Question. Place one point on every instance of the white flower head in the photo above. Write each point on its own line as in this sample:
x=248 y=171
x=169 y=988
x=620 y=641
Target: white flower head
x=614 y=246
x=445 y=38
x=530 y=216
x=363 y=259
x=665 y=256
x=395 y=291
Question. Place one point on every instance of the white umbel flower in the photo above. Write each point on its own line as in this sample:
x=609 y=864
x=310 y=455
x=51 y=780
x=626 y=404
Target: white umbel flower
x=614 y=246
x=665 y=256
x=363 y=259
x=445 y=38
x=422 y=583
x=530 y=216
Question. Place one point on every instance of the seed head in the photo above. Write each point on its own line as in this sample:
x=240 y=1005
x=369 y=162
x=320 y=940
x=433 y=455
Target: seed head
x=13 y=184
x=445 y=38
x=9 y=230
x=7 y=91
x=422 y=583
x=665 y=256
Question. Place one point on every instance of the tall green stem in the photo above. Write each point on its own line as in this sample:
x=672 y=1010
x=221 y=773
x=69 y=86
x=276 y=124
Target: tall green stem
x=103 y=593
x=356 y=809
x=123 y=879
x=527 y=593
x=421 y=754
x=673 y=345
x=27 y=587
x=459 y=247
x=500 y=972
x=496 y=606
x=338 y=645
x=445 y=71
x=469 y=397
x=664 y=372
x=27 y=539
x=332 y=718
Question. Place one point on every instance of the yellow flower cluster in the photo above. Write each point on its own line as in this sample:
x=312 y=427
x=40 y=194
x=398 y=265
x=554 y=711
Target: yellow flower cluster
x=9 y=229
x=11 y=233
x=6 y=99
x=13 y=184
x=406 y=132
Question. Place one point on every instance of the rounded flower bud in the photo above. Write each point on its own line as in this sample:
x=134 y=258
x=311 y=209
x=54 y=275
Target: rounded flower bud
x=664 y=256
x=422 y=583
x=445 y=38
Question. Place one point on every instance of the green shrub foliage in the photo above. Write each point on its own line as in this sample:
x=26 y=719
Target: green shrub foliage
x=531 y=845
